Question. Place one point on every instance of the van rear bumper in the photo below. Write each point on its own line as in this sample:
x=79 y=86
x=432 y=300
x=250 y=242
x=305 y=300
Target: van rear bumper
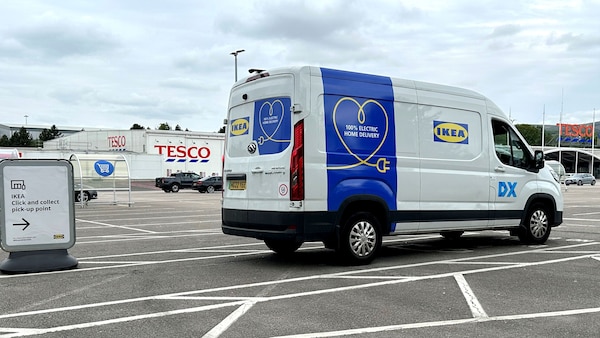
x=297 y=226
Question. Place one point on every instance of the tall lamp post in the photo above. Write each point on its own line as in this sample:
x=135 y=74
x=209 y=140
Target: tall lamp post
x=235 y=54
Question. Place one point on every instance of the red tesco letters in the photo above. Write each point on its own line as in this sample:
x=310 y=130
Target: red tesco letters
x=183 y=151
x=117 y=141
x=575 y=130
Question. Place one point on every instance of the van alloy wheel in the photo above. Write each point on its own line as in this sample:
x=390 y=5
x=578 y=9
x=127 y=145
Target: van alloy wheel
x=536 y=227
x=360 y=238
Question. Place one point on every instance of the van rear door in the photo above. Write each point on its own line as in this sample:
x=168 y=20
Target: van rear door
x=257 y=154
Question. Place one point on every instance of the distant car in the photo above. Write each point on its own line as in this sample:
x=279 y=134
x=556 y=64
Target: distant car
x=208 y=184
x=580 y=179
x=85 y=195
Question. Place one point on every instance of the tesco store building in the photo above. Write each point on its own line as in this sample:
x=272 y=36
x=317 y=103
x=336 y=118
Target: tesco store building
x=149 y=153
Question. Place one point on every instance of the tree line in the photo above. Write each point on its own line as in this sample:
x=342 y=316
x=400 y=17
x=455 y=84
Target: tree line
x=23 y=138
x=533 y=136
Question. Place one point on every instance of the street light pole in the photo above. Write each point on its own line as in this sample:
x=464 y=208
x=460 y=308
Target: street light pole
x=235 y=54
x=26 y=116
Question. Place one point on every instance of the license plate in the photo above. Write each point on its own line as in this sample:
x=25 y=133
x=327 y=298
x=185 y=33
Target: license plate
x=237 y=185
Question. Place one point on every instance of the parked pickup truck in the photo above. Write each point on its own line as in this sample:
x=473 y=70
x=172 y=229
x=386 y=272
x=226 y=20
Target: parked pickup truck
x=177 y=181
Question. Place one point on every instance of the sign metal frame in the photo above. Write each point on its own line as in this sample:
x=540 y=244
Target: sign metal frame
x=43 y=207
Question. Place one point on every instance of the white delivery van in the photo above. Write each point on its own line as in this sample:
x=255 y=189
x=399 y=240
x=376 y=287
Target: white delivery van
x=316 y=154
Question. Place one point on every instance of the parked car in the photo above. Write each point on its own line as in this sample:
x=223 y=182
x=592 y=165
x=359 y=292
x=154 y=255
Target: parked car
x=176 y=181
x=580 y=179
x=84 y=195
x=208 y=184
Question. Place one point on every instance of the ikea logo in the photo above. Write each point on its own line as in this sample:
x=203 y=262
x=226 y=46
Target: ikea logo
x=450 y=132
x=240 y=126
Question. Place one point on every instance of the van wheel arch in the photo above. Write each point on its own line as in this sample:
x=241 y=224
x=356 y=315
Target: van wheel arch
x=371 y=204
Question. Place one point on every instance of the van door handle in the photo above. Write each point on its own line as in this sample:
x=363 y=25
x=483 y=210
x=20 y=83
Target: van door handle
x=500 y=169
x=257 y=170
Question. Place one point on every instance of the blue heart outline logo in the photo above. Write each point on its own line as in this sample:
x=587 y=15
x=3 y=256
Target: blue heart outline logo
x=382 y=164
x=269 y=137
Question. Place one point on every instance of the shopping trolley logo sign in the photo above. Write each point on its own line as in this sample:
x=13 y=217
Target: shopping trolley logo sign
x=104 y=168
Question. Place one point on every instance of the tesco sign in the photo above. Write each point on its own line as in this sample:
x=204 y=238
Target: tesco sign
x=118 y=141
x=181 y=153
x=576 y=130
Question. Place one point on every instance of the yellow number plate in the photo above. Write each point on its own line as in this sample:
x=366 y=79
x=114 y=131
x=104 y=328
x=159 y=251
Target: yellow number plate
x=237 y=185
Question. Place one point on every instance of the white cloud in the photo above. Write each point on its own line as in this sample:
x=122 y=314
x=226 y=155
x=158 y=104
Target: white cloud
x=114 y=63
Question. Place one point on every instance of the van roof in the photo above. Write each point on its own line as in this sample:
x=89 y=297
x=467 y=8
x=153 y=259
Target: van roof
x=418 y=85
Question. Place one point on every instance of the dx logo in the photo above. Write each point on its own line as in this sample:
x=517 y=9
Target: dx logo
x=507 y=189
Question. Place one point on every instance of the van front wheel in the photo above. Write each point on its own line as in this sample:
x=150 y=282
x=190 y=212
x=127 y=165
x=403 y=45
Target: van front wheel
x=282 y=247
x=360 y=238
x=536 y=226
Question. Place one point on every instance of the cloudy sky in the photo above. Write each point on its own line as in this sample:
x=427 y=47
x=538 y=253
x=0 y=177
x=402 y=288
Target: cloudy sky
x=112 y=63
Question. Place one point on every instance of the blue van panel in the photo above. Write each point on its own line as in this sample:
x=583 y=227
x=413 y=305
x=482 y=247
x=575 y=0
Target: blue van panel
x=272 y=125
x=359 y=136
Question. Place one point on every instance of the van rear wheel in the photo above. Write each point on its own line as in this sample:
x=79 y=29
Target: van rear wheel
x=360 y=238
x=282 y=247
x=536 y=226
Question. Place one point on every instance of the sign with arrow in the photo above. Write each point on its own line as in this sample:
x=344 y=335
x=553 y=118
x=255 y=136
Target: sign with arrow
x=36 y=203
x=26 y=224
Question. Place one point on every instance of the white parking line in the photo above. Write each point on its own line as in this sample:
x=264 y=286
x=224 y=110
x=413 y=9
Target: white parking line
x=581 y=219
x=229 y=320
x=116 y=226
x=476 y=308
x=244 y=304
x=400 y=327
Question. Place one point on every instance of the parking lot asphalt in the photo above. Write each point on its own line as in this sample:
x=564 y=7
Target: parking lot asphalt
x=162 y=267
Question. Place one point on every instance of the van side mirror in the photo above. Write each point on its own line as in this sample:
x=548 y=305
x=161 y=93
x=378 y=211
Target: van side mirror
x=538 y=159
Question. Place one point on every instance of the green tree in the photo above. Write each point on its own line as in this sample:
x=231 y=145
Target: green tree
x=532 y=134
x=55 y=132
x=4 y=141
x=136 y=126
x=164 y=126
x=50 y=134
x=45 y=135
x=178 y=128
x=21 y=138
x=222 y=130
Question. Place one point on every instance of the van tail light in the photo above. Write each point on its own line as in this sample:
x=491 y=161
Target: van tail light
x=297 y=164
x=223 y=170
